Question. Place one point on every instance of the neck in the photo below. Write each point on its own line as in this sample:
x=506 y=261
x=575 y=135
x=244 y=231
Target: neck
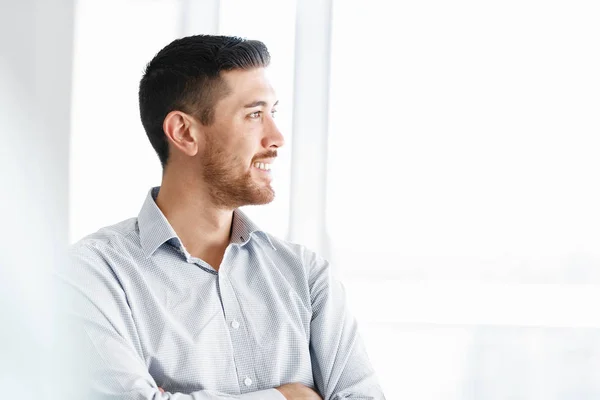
x=203 y=228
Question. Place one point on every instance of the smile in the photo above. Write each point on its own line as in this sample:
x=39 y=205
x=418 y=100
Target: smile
x=262 y=166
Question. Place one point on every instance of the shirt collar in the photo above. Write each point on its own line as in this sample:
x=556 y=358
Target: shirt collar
x=243 y=228
x=155 y=229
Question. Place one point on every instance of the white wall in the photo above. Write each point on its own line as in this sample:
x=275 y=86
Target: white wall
x=113 y=164
x=35 y=82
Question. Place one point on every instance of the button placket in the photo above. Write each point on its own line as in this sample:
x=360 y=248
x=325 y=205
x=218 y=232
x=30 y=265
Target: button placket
x=242 y=352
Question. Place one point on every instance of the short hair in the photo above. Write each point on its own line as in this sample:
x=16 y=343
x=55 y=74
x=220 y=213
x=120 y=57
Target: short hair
x=185 y=76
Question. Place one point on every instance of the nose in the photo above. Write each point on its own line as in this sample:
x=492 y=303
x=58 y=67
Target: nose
x=273 y=137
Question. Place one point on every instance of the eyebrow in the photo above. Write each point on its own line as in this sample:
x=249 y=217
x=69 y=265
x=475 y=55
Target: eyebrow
x=259 y=103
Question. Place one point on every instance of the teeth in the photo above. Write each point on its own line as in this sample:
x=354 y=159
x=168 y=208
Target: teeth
x=263 y=166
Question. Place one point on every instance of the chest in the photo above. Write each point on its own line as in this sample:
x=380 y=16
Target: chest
x=205 y=331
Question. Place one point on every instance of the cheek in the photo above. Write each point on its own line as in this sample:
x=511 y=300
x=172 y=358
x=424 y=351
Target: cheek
x=238 y=143
x=244 y=148
x=244 y=152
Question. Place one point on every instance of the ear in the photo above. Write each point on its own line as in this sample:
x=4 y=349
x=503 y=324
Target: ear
x=181 y=130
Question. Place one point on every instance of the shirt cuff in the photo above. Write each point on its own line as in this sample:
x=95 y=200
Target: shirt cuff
x=269 y=394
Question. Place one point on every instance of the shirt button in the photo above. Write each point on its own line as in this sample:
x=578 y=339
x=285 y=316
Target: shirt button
x=247 y=381
x=235 y=324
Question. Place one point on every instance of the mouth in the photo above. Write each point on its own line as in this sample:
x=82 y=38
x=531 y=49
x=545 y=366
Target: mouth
x=263 y=165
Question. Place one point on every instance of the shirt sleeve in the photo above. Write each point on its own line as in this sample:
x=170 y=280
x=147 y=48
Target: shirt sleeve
x=95 y=305
x=341 y=366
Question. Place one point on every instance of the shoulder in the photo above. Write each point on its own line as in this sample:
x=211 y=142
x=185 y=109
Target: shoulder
x=101 y=250
x=106 y=238
x=311 y=261
x=290 y=248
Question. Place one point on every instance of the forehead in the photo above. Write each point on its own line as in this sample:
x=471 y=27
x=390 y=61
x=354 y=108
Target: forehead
x=244 y=85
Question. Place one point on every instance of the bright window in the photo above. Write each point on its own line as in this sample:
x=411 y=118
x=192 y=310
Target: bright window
x=463 y=193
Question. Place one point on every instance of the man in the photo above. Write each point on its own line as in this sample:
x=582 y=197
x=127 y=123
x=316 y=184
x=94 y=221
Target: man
x=191 y=300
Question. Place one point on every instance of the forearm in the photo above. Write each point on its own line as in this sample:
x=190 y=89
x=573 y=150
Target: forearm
x=155 y=394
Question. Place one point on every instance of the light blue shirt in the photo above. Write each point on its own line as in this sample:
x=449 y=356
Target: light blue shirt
x=155 y=316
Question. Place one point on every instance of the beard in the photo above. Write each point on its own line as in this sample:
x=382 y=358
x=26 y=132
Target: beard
x=230 y=184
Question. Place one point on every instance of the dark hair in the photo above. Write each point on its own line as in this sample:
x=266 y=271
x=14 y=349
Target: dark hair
x=185 y=76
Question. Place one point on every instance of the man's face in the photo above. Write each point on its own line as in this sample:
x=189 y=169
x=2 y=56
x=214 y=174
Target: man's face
x=242 y=142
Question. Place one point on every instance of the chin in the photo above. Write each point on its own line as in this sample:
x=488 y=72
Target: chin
x=264 y=197
x=260 y=195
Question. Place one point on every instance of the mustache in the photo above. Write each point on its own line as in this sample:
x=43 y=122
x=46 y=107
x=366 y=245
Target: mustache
x=268 y=154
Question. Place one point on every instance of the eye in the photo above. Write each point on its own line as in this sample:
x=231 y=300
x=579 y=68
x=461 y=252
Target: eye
x=273 y=112
x=255 y=114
